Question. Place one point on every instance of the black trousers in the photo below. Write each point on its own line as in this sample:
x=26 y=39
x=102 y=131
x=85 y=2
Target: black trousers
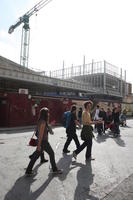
x=116 y=128
x=100 y=128
x=41 y=156
x=44 y=147
x=71 y=136
x=87 y=144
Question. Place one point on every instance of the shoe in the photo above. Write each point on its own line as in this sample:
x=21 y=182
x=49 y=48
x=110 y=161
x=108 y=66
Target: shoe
x=115 y=135
x=90 y=158
x=43 y=161
x=30 y=156
x=58 y=171
x=30 y=173
x=74 y=155
x=66 y=151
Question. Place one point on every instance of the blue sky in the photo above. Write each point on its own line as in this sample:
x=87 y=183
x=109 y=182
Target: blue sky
x=68 y=29
x=8 y=10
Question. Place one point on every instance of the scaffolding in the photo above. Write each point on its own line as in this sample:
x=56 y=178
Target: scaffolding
x=105 y=77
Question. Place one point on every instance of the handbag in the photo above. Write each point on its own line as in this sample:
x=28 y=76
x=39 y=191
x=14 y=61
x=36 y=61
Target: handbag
x=33 y=141
x=87 y=132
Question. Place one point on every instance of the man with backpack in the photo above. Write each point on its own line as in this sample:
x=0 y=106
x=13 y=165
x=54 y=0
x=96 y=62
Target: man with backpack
x=71 y=122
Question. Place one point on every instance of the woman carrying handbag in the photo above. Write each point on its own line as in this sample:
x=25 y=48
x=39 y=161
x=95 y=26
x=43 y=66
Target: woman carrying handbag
x=43 y=144
x=33 y=142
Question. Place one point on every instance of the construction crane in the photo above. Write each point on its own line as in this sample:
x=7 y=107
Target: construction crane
x=25 y=38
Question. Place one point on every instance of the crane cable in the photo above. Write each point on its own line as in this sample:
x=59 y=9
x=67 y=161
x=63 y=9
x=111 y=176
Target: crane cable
x=37 y=7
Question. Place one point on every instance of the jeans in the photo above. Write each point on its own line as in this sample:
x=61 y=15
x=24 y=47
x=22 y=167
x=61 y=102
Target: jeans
x=87 y=144
x=44 y=147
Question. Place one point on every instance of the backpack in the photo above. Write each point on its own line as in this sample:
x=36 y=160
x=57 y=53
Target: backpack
x=66 y=119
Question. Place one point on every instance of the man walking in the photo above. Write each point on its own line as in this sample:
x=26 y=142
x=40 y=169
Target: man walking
x=71 y=130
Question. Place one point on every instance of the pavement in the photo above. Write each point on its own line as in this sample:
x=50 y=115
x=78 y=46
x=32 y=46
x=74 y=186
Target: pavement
x=109 y=177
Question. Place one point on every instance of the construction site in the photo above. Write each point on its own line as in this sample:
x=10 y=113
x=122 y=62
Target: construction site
x=24 y=91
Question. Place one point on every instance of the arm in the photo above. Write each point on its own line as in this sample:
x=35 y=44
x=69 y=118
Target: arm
x=50 y=129
x=77 y=123
x=41 y=132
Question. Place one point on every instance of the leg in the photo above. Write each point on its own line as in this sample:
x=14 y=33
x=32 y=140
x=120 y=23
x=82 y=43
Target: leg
x=104 y=127
x=47 y=147
x=34 y=157
x=88 y=150
x=75 y=138
x=42 y=156
x=68 y=141
x=116 y=129
x=99 y=129
x=43 y=160
x=81 y=147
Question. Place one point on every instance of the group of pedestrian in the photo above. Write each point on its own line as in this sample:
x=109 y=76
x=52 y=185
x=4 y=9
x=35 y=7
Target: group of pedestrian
x=101 y=120
x=42 y=130
x=86 y=133
x=109 y=119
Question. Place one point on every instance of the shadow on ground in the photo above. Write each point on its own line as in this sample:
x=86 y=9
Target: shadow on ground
x=104 y=137
x=22 y=187
x=84 y=181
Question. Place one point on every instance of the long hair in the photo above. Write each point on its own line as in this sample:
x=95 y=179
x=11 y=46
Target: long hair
x=43 y=115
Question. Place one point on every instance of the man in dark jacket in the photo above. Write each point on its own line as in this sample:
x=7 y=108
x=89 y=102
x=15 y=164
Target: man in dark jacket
x=116 y=120
x=102 y=115
x=71 y=130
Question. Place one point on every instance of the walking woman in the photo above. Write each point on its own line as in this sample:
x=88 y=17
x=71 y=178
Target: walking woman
x=43 y=144
x=86 y=133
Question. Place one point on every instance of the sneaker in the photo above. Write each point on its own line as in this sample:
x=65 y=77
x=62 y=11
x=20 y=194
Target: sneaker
x=74 y=155
x=66 y=151
x=43 y=161
x=31 y=173
x=58 y=171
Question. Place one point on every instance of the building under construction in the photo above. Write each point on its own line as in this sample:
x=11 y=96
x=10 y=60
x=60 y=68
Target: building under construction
x=102 y=77
x=23 y=91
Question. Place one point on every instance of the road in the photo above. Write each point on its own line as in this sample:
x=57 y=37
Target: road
x=109 y=177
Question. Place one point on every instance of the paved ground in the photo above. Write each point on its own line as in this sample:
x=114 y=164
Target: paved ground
x=109 y=177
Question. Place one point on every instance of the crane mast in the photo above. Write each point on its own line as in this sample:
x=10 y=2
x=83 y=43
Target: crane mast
x=25 y=38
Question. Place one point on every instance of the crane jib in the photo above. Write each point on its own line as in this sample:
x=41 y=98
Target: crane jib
x=25 y=36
